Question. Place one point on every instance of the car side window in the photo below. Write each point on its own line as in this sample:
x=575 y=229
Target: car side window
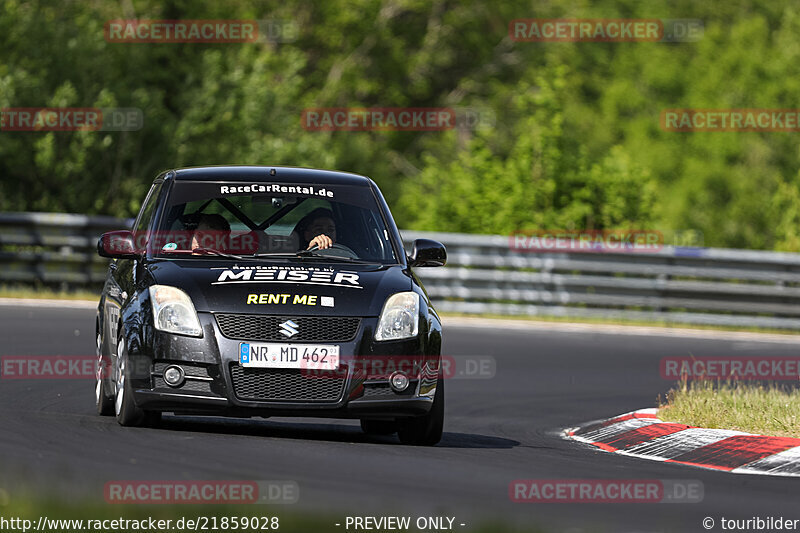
x=148 y=208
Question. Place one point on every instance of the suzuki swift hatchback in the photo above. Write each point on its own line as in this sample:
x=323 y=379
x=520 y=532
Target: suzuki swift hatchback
x=269 y=291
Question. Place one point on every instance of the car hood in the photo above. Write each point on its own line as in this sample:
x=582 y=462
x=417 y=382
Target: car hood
x=307 y=288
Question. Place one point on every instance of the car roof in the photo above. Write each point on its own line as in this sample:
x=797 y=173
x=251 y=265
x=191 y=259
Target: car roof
x=258 y=174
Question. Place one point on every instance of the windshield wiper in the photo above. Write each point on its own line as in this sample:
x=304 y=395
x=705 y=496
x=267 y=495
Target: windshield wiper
x=273 y=254
x=212 y=251
x=339 y=259
x=314 y=254
x=310 y=254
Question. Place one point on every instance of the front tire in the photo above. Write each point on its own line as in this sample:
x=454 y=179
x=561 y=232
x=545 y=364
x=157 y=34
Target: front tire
x=124 y=407
x=425 y=430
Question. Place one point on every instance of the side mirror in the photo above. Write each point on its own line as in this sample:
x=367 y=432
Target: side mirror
x=118 y=245
x=427 y=253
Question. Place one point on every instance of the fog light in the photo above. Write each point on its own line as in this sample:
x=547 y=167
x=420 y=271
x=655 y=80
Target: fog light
x=399 y=382
x=173 y=376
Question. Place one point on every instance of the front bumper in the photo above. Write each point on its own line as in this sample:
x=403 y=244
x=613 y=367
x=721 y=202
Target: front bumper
x=209 y=388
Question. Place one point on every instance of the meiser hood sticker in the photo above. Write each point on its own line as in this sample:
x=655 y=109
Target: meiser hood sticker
x=301 y=276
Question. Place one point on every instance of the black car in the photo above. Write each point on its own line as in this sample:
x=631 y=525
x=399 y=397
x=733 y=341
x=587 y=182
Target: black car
x=269 y=291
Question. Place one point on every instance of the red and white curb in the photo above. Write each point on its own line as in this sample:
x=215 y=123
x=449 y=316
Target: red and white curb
x=642 y=434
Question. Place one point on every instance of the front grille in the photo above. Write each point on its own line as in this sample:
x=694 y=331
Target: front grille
x=267 y=328
x=284 y=385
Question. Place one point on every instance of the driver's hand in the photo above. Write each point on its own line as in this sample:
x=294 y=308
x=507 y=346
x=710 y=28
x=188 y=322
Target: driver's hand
x=323 y=241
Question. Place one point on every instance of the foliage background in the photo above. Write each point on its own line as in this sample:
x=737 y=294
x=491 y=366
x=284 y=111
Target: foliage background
x=575 y=143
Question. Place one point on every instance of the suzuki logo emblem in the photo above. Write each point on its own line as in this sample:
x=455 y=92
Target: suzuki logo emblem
x=289 y=328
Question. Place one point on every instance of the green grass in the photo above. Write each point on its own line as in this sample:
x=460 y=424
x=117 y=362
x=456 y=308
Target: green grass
x=766 y=410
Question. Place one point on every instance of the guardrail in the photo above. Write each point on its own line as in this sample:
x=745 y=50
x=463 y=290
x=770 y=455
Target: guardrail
x=53 y=249
x=484 y=275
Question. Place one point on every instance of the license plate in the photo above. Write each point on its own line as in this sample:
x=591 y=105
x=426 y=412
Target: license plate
x=300 y=356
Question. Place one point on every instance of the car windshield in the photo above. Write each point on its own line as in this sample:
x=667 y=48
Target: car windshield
x=271 y=220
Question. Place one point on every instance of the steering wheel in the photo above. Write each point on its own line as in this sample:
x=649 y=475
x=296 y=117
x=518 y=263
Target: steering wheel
x=335 y=250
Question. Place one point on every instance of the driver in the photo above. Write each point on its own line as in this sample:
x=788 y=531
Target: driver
x=317 y=229
x=212 y=231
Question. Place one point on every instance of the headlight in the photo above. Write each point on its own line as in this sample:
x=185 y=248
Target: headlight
x=173 y=311
x=399 y=318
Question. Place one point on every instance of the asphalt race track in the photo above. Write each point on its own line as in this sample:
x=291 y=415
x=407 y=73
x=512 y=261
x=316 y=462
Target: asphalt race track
x=496 y=431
